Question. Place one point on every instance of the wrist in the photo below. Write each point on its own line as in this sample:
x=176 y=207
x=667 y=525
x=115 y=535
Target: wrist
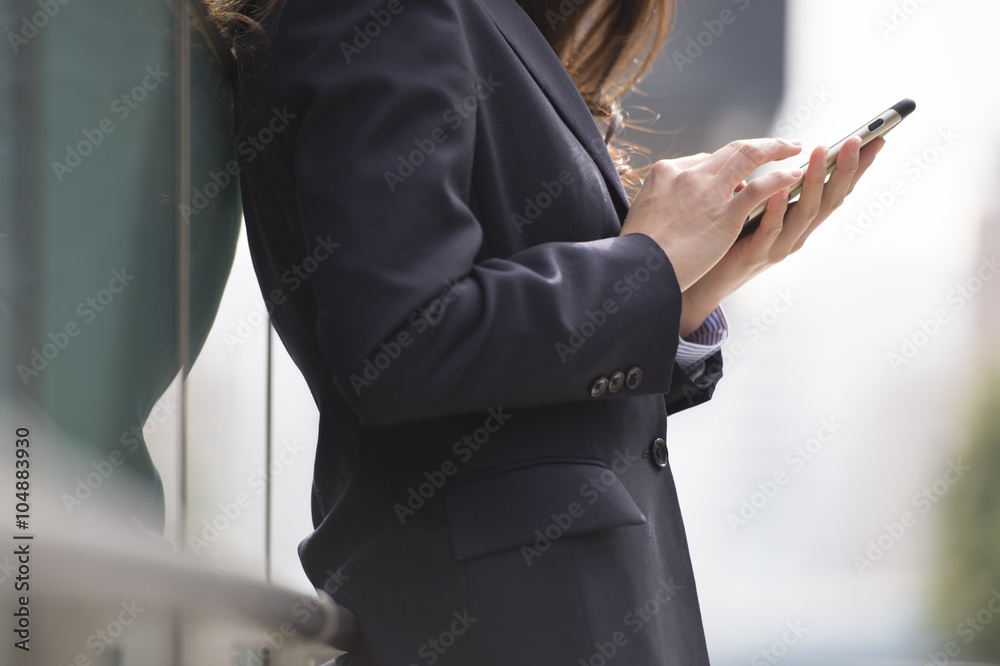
x=694 y=312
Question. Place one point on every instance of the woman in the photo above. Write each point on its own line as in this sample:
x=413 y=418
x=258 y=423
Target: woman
x=493 y=335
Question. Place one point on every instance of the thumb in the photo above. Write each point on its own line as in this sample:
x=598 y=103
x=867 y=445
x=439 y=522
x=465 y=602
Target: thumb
x=761 y=189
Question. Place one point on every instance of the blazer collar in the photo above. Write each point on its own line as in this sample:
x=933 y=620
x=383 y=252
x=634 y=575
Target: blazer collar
x=541 y=61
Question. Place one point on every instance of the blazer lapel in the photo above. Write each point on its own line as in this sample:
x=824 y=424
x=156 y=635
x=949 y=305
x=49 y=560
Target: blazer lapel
x=543 y=64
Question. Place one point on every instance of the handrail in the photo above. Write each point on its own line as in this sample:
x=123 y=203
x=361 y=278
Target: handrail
x=86 y=570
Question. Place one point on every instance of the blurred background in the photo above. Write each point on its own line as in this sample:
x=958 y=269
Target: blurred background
x=838 y=490
x=841 y=477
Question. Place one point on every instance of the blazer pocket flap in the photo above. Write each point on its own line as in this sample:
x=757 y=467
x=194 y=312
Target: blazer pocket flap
x=516 y=507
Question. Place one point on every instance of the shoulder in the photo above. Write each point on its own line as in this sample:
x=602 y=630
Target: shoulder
x=366 y=23
x=319 y=41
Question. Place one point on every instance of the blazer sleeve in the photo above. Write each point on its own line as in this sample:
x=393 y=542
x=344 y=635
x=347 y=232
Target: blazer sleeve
x=685 y=392
x=413 y=321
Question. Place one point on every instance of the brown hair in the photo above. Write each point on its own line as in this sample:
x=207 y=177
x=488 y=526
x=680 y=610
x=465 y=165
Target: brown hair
x=605 y=45
x=235 y=18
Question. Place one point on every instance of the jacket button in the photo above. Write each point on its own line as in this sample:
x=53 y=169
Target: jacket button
x=658 y=451
x=617 y=380
x=598 y=387
x=633 y=378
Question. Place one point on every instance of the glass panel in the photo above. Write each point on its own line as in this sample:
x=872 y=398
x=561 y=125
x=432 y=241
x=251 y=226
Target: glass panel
x=89 y=296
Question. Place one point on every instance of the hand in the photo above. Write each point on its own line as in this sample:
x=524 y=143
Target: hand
x=783 y=229
x=694 y=207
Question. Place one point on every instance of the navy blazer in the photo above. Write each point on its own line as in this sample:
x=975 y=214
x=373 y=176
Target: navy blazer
x=434 y=221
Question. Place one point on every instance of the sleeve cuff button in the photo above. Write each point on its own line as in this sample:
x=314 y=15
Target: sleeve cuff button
x=634 y=378
x=616 y=382
x=598 y=387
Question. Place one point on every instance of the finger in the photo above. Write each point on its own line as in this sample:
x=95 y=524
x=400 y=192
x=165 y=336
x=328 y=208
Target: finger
x=866 y=159
x=720 y=157
x=843 y=175
x=739 y=188
x=752 y=252
x=750 y=156
x=836 y=188
x=813 y=205
x=760 y=189
x=811 y=198
x=735 y=162
x=771 y=223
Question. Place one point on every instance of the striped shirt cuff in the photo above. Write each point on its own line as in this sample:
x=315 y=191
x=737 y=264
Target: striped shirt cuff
x=702 y=343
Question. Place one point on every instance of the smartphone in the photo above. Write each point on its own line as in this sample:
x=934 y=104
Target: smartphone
x=874 y=128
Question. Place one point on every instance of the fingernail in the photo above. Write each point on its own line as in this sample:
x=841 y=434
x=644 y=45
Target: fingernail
x=796 y=173
x=794 y=142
